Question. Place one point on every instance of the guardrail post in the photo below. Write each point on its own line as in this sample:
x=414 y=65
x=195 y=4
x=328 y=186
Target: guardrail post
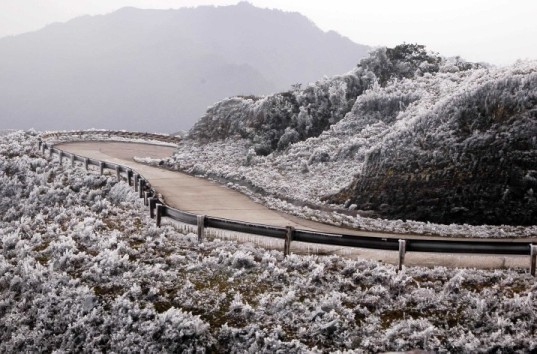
x=60 y=157
x=129 y=177
x=141 y=183
x=50 y=152
x=147 y=195
x=153 y=202
x=118 y=173
x=72 y=160
x=101 y=168
x=533 y=260
x=159 y=214
x=288 y=239
x=402 y=251
x=136 y=177
x=201 y=228
x=40 y=144
x=86 y=163
x=43 y=148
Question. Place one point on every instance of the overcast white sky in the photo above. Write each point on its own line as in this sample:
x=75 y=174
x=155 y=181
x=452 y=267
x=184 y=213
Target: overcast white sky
x=495 y=31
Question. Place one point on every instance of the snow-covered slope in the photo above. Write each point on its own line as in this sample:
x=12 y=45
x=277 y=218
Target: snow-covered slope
x=82 y=268
x=405 y=135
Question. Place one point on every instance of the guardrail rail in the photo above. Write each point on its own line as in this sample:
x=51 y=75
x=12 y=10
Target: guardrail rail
x=158 y=210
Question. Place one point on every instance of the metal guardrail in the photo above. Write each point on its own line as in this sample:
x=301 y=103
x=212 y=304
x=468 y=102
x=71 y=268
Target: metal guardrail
x=158 y=210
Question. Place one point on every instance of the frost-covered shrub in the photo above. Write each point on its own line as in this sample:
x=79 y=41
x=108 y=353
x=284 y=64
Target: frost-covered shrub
x=121 y=193
x=319 y=155
x=243 y=260
x=290 y=136
x=401 y=62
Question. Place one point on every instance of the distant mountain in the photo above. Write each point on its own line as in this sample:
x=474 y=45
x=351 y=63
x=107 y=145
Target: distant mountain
x=158 y=70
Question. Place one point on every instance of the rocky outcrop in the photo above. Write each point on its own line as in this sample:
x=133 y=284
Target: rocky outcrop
x=471 y=160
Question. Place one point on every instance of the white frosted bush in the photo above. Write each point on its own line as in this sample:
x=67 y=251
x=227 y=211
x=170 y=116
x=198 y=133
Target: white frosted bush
x=243 y=260
x=122 y=193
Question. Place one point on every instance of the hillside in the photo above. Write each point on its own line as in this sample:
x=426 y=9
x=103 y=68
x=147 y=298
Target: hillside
x=83 y=266
x=158 y=70
x=406 y=135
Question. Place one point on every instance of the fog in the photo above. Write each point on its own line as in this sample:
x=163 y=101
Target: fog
x=495 y=31
x=158 y=70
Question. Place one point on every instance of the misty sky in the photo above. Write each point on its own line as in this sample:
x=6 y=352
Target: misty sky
x=495 y=31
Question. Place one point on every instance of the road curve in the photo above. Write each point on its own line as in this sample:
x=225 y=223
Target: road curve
x=200 y=196
x=182 y=191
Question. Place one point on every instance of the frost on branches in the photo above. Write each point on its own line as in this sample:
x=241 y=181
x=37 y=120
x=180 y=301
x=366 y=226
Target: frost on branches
x=408 y=136
x=82 y=268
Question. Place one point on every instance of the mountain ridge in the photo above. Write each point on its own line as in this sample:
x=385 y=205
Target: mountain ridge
x=159 y=67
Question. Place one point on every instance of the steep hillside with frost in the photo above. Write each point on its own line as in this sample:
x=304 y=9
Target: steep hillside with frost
x=274 y=122
x=470 y=157
x=405 y=135
x=82 y=267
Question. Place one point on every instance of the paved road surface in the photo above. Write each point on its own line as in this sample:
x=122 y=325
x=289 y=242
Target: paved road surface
x=182 y=191
x=201 y=196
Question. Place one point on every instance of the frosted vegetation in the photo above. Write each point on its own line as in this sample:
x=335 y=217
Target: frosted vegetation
x=406 y=135
x=66 y=136
x=82 y=267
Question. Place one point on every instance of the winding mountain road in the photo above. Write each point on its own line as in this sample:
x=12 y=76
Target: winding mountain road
x=200 y=196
